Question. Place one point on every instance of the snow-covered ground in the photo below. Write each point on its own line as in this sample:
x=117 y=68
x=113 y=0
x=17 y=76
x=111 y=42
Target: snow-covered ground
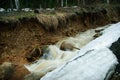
x=93 y=61
x=95 y=65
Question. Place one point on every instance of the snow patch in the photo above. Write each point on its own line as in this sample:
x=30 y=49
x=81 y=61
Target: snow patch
x=93 y=62
x=95 y=65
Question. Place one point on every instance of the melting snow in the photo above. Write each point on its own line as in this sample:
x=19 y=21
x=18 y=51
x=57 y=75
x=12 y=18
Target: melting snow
x=94 y=61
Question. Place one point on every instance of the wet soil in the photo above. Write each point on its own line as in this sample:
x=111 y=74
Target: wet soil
x=19 y=37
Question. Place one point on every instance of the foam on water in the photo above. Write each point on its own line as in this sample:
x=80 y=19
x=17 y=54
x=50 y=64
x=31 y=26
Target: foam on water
x=55 y=57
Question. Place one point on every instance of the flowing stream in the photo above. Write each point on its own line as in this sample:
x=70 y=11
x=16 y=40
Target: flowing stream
x=54 y=57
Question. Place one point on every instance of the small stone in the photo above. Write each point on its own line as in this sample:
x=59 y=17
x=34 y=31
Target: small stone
x=33 y=54
x=97 y=35
x=6 y=70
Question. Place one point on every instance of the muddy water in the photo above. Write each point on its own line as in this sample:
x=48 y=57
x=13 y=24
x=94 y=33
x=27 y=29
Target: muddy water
x=54 y=56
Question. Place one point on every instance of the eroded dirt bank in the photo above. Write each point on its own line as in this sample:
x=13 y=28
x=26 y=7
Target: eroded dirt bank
x=19 y=37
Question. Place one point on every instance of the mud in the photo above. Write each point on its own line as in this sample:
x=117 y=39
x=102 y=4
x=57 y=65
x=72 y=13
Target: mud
x=19 y=36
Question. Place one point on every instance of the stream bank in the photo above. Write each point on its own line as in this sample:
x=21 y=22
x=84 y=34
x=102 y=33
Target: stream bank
x=20 y=35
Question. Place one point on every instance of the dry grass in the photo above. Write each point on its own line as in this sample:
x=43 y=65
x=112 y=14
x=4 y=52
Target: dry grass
x=49 y=22
x=52 y=22
x=62 y=19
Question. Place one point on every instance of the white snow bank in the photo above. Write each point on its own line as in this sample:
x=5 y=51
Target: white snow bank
x=110 y=35
x=94 y=61
x=94 y=65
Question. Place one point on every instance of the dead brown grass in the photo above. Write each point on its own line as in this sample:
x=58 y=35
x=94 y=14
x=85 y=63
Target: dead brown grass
x=49 y=22
x=62 y=19
x=52 y=22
